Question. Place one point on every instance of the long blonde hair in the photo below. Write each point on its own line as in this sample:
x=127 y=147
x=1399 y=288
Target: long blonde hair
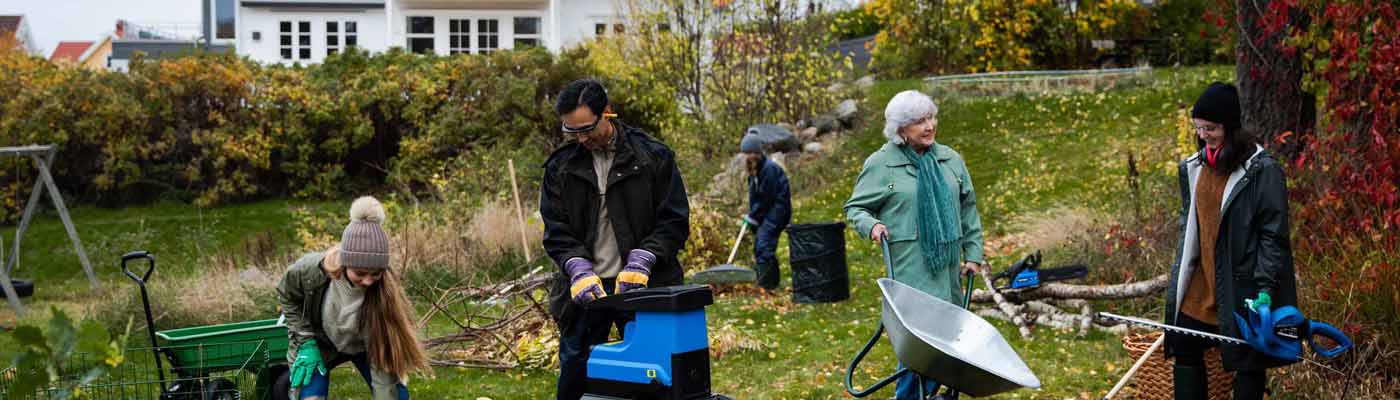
x=386 y=317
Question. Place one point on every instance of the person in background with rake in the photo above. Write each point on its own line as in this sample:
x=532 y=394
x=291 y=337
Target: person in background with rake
x=346 y=305
x=1234 y=220
x=770 y=209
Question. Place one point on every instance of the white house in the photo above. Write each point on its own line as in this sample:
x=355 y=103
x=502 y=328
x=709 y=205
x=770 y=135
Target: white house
x=306 y=31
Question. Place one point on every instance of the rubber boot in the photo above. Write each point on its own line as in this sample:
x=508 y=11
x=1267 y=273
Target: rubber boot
x=1189 y=383
x=1250 y=385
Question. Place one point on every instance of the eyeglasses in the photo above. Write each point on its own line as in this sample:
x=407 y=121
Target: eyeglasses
x=1207 y=127
x=583 y=130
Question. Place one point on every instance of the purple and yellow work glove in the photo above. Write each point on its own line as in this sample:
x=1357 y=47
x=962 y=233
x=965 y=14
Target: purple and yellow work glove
x=584 y=285
x=1259 y=302
x=637 y=272
x=308 y=362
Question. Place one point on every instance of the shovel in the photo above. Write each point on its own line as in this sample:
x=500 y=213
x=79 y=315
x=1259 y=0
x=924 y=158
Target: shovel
x=727 y=272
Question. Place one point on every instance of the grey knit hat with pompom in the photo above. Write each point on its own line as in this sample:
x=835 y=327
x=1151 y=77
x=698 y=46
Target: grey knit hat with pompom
x=364 y=244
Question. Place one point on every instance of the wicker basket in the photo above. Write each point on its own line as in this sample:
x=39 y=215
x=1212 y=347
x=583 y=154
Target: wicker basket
x=1154 y=380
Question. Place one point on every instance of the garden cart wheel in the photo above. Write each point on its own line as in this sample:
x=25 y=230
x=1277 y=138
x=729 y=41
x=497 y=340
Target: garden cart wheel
x=220 y=389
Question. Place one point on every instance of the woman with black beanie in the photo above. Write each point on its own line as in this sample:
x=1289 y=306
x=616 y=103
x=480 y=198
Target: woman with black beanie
x=1234 y=255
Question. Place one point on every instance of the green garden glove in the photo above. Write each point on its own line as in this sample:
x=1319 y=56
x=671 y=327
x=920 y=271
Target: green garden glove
x=1260 y=302
x=308 y=362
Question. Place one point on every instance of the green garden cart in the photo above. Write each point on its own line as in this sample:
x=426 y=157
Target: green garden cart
x=196 y=363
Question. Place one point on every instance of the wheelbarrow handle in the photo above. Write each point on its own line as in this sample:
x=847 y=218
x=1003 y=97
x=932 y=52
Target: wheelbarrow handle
x=150 y=265
x=967 y=289
x=889 y=264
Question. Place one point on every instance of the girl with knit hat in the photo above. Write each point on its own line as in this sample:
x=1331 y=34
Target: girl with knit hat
x=1234 y=256
x=346 y=305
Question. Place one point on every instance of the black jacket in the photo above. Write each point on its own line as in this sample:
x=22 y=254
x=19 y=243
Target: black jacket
x=1252 y=252
x=770 y=203
x=646 y=202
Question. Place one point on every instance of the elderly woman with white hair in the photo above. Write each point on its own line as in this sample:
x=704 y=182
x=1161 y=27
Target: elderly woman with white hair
x=917 y=195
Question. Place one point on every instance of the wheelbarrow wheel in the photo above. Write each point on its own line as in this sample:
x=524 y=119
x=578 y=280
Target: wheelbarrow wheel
x=282 y=386
x=221 y=389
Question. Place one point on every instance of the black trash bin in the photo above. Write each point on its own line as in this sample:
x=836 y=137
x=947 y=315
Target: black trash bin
x=818 y=254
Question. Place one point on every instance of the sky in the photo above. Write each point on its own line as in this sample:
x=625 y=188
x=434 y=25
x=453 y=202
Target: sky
x=52 y=21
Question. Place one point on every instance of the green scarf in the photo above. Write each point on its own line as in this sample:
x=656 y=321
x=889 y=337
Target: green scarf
x=939 y=228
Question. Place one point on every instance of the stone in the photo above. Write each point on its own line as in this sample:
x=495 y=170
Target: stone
x=846 y=110
x=825 y=124
x=866 y=82
x=814 y=147
x=775 y=138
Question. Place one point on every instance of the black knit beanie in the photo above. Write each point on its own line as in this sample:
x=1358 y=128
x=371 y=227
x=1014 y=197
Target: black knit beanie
x=1219 y=104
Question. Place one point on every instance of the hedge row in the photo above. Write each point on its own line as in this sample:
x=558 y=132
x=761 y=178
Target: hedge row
x=217 y=128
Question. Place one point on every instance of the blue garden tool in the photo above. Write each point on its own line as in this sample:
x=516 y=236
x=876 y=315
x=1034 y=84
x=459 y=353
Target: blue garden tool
x=1026 y=274
x=1278 y=333
x=664 y=353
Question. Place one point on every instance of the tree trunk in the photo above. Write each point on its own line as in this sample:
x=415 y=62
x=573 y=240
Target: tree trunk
x=1272 y=99
x=1085 y=292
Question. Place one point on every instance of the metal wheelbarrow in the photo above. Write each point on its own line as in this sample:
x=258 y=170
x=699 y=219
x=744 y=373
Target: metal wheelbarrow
x=943 y=342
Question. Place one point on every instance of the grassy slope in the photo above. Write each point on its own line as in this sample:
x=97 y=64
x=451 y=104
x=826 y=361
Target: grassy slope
x=1026 y=153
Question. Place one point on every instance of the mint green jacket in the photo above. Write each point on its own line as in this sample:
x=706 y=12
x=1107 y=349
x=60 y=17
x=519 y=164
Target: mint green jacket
x=886 y=193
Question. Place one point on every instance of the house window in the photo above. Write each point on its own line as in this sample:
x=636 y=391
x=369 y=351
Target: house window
x=352 y=34
x=340 y=36
x=420 y=35
x=223 y=19
x=459 y=36
x=601 y=28
x=332 y=37
x=488 y=35
x=304 y=40
x=527 y=32
x=284 y=37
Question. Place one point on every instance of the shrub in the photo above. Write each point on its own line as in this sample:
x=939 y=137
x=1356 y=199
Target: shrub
x=1343 y=186
x=954 y=37
x=218 y=128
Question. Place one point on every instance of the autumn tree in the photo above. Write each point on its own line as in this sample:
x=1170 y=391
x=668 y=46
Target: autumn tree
x=1270 y=72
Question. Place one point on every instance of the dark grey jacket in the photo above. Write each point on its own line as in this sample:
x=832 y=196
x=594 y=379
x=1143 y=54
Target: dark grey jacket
x=646 y=202
x=1252 y=252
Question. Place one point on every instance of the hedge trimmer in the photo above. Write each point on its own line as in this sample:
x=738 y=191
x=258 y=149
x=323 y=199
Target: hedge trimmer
x=1278 y=333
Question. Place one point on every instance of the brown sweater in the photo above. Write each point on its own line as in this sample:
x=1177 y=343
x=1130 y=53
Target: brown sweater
x=1199 y=302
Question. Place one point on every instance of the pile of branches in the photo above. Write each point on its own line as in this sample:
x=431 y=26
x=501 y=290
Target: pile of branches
x=1058 y=305
x=493 y=325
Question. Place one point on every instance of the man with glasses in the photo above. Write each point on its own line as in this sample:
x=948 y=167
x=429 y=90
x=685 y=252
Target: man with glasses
x=615 y=215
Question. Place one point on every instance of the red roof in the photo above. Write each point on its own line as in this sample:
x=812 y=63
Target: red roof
x=9 y=24
x=70 y=51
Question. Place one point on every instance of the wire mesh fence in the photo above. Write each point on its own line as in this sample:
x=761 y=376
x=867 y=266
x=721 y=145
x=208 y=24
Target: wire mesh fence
x=220 y=371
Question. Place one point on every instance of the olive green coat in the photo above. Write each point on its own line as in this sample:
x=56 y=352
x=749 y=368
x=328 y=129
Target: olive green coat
x=886 y=193
x=301 y=294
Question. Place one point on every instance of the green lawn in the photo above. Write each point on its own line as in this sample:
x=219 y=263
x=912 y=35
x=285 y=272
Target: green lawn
x=1027 y=154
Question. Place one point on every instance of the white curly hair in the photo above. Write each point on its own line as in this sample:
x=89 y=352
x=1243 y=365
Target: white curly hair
x=904 y=109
